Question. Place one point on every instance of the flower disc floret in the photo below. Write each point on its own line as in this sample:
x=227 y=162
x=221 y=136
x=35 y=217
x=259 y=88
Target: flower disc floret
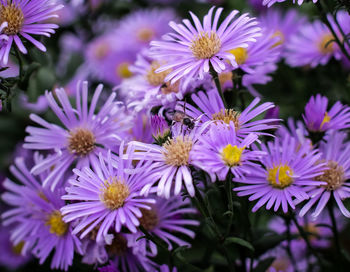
x=241 y=55
x=227 y=116
x=334 y=176
x=81 y=141
x=149 y=219
x=13 y=15
x=206 y=45
x=56 y=224
x=178 y=151
x=232 y=154
x=114 y=194
x=280 y=176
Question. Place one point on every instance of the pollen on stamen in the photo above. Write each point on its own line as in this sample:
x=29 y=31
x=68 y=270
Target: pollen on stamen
x=123 y=70
x=206 y=45
x=13 y=15
x=326 y=119
x=178 y=151
x=227 y=116
x=56 y=224
x=334 y=176
x=231 y=155
x=153 y=78
x=240 y=54
x=114 y=193
x=280 y=176
x=149 y=219
x=81 y=141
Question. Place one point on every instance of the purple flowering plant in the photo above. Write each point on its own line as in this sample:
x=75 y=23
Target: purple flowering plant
x=174 y=135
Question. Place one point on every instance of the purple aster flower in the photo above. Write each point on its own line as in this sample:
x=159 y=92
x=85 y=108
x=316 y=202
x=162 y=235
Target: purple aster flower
x=285 y=173
x=220 y=151
x=269 y=3
x=142 y=128
x=149 y=88
x=265 y=50
x=295 y=129
x=84 y=131
x=316 y=229
x=312 y=45
x=109 y=195
x=165 y=219
x=25 y=18
x=39 y=106
x=206 y=45
x=37 y=219
x=282 y=24
x=335 y=154
x=170 y=162
x=11 y=256
x=211 y=108
x=318 y=118
x=141 y=27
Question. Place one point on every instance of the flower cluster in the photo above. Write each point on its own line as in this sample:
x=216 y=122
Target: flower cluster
x=181 y=146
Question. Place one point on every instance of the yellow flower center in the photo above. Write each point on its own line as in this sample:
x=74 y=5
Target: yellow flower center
x=17 y=249
x=227 y=116
x=206 y=45
x=240 y=54
x=149 y=219
x=279 y=264
x=326 y=45
x=326 y=119
x=81 y=141
x=177 y=151
x=13 y=15
x=56 y=224
x=154 y=78
x=334 y=176
x=280 y=176
x=232 y=155
x=281 y=37
x=114 y=194
x=123 y=70
x=145 y=34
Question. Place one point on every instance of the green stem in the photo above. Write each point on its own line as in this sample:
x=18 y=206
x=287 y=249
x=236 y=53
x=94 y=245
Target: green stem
x=20 y=63
x=326 y=21
x=215 y=77
x=160 y=244
x=335 y=230
x=228 y=188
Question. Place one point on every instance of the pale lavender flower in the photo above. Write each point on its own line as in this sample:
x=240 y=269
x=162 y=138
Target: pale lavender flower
x=109 y=195
x=25 y=18
x=211 y=108
x=220 y=151
x=83 y=131
x=313 y=45
x=195 y=49
x=284 y=175
x=170 y=162
x=335 y=153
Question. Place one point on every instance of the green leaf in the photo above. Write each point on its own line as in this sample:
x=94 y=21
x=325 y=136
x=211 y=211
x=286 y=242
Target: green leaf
x=239 y=241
